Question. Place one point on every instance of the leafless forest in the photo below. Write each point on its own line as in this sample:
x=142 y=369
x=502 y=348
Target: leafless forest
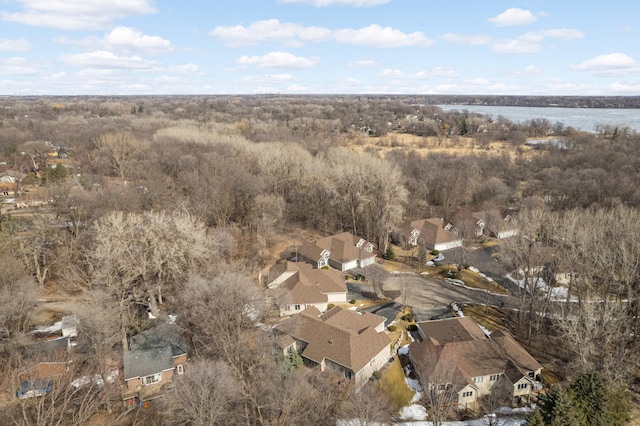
x=178 y=203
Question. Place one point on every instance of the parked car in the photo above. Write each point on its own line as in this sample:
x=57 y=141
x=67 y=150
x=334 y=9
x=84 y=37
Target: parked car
x=438 y=258
x=33 y=388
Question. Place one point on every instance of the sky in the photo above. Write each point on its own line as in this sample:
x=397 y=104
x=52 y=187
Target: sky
x=146 y=47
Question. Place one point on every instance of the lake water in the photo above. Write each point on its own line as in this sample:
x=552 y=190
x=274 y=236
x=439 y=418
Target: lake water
x=585 y=119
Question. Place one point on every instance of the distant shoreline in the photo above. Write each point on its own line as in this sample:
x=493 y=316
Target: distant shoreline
x=552 y=101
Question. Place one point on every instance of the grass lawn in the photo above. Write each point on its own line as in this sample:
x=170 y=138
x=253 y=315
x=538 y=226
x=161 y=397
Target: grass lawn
x=488 y=316
x=394 y=386
x=473 y=279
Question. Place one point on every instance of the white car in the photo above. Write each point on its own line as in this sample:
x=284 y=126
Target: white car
x=438 y=258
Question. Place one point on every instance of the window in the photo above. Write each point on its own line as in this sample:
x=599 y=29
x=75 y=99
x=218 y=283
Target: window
x=149 y=380
x=297 y=307
x=180 y=369
x=523 y=386
x=348 y=374
x=494 y=377
x=467 y=394
x=477 y=379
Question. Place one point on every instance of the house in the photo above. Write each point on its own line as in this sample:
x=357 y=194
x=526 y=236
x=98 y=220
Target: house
x=351 y=344
x=491 y=223
x=455 y=355
x=433 y=233
x=154 y=356
x=47 y=359
x=298 y=285
x=342 y=251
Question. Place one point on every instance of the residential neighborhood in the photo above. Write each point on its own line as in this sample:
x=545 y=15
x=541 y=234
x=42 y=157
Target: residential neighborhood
x=241 y=268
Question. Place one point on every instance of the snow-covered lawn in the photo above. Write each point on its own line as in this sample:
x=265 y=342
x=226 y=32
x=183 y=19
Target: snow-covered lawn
x=556 y=293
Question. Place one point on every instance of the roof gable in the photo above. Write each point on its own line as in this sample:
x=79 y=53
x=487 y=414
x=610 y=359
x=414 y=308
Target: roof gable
x=343 y=336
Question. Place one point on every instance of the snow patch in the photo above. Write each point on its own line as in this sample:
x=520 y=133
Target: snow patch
x=413 y=412
x=403 y=350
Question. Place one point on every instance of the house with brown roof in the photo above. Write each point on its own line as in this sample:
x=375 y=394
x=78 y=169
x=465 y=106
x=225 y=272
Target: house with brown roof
x=434 y=234
x=296 y=286
x=351 y=344
x=491 y=223
x=342 y=251
x=455 y=355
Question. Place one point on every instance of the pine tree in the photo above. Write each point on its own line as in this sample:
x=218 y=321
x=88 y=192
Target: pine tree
x=591 y=399
x=535 y=418
x=389 y=254
x=558 y=409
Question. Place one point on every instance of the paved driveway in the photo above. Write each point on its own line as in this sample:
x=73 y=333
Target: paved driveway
x=431 y=297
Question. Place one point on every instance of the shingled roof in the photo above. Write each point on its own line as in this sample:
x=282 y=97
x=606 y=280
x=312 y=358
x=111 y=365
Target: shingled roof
x=301 y=283
x=455 y=345
x=432 y=230
x=343 y=247
x=345 y=337
x=145 y=362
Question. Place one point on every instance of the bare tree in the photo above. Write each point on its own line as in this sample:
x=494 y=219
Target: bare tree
x=121 y=149
x=377 y=276
x=207 y=393
x=440 y=381
x=369 y=406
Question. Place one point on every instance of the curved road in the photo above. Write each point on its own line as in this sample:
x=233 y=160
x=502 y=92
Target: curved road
x=432 y=297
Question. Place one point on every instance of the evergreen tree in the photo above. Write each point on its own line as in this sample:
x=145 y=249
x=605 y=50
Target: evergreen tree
x=558 y=409
x=389 y=254
x=535 y=418
x=618 y=406
x=591 y=399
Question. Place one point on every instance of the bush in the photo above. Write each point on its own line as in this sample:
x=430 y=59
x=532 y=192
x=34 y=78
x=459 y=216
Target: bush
x=377 y=374
x=325 y=267
x=389 y=254
x=412 y=327
x=352 y=301
x=435 y=252
x=392 y=328
x=331 y=305
x=407 y=317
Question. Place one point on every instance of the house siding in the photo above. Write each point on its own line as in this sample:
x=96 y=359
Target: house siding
x=335 y=297
x=133 y=384
x=375 y=364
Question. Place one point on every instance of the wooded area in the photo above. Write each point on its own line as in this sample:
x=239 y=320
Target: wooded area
x=176 y=204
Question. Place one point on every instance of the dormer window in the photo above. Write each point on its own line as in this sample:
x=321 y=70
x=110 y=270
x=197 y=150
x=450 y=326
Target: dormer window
x=369 y=247
x=360 y=243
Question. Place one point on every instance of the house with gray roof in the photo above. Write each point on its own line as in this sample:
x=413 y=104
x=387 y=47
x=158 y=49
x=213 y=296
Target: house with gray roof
x=455 y=355
x=351 y=344
x=155 y=355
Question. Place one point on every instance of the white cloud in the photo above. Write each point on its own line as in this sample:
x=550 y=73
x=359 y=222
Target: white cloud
x=186 y=68
x=437 y=72
x=270 y=30
x=352 y=81
x=610 y=65
x=377 y=36
x=560 y=33
x=527 y=71
x=17 y=66
x=105 y=59
x=625 y=88
x=124 y=40
x=515 y=46
x=473 y=40
x=279 y=60
x=325 y=3
x=268 y=78
x=296 y=35
x=15 y=45
x=76 y=14
x=391 y=73
x=512 y=17
x=362 y=63
x=298 y=88
x=128 y=40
